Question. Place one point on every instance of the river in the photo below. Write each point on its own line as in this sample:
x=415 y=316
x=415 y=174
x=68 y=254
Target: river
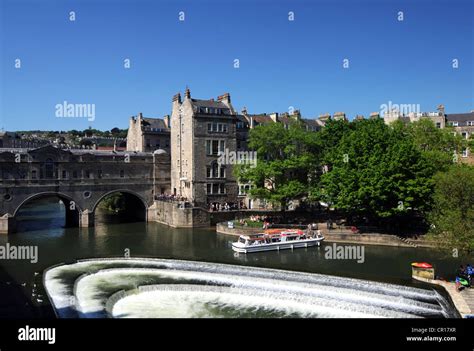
x=41 y=224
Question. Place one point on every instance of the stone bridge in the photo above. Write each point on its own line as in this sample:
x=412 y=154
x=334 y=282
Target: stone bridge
x=80 y=179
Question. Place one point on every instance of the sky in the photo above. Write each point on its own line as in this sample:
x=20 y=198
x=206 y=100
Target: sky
x=282 y=63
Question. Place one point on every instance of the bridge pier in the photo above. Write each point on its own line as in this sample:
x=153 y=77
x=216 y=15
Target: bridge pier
x=7 y=224
x=86 y=219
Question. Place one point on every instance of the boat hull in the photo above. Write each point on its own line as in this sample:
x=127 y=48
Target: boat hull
x=296 y=244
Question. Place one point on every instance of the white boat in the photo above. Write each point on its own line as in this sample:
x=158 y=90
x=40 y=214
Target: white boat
x=285 y=239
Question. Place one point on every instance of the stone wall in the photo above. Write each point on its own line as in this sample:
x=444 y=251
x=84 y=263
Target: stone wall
x=171 y=214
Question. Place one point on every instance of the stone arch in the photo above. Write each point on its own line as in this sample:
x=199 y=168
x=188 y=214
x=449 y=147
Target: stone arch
x=71 y=215
x=124 y=191
x=59 y=195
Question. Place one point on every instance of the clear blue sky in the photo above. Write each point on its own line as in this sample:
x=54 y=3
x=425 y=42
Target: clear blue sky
x=282 y=63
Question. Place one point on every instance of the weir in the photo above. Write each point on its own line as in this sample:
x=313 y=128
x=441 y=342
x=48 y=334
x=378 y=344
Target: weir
x=267 y=292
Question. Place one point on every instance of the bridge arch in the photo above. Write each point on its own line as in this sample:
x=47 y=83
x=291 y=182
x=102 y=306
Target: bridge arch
x=72 y=208
x=127 y=192
x=63 y=197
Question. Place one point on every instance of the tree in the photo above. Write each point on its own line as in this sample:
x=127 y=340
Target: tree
x=452 y=216
x=286 y=156
x=377 y=172
x=438 y=146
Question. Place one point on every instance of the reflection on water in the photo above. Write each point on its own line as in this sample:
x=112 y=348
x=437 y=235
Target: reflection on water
x=43 y=225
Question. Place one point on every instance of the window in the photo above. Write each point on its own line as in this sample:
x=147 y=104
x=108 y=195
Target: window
x=438 y=124
x=122 y=173
x=88 y=174
x=454 y=124
x=217 y=127
x=214 y=171
x=99 y=173
x=465 y=153
x=74 y=174
x=222 y=146
x=213 y=147
x=470 y=123
x=34 y=174
x=465 y=135
x=215 y=189
x=64 y=174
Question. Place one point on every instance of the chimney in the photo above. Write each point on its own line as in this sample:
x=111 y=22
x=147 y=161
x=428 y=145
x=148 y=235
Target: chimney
x=166 y=119
x=374 y=115
x=296 y=114
x=325 y=116
x=140 y=115
x=187 y=93
x=244 y=111
x=224 y=98
x=441 y=109
x=339 y=115
x=177 y=98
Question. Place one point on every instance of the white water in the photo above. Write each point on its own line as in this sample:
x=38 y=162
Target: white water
x=226 y=286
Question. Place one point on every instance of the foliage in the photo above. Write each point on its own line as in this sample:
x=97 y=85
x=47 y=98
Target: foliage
x=377 y=172
x=286 y=158
x=452 y=217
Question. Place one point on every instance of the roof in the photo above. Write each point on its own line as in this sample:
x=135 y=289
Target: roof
x=154 y=123
x=317 y=123
x=208 y=103
x=460 y=117
x=261 y=118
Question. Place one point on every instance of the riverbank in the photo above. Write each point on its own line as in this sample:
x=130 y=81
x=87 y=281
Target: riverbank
x=462 y=300
x=340 y=236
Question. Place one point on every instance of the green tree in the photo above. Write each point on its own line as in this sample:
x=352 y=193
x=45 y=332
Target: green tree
x=375 y=171
x=452 y=217
x=286 y=157
x=438 y=145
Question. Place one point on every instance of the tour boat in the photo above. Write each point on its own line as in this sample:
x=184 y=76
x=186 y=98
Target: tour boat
x=275 y=240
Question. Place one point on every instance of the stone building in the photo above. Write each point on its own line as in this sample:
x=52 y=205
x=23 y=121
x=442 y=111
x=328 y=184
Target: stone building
x=463 y=123
x=200 y=131
x=148 y=134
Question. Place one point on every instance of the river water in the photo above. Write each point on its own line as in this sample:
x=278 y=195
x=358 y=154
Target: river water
x=41 y=224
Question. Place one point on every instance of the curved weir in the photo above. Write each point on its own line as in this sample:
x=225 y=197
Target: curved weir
x=206 y=289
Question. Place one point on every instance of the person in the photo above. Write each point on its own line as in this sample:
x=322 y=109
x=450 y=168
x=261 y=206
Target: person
x=461 y=278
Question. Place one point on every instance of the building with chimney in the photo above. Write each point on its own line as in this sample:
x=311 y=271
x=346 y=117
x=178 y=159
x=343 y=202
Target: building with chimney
x=148 y=134
x=201 y=131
